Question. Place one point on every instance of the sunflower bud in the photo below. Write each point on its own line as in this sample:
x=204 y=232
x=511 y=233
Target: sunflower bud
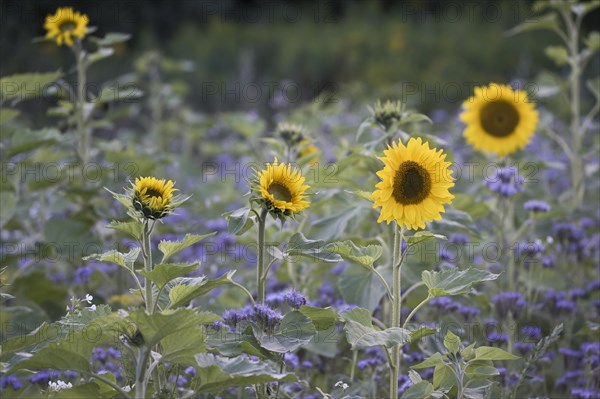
x=388 y=113
x=291 y=134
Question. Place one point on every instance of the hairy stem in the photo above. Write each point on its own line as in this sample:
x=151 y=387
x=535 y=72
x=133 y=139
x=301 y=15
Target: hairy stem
x=396 y=307
x=260 y=278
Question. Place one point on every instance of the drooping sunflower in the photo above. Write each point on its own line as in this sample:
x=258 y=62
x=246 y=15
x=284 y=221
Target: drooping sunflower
x=66 y=24
x=499 y=120
x=414 y=186
x=153 y=197
x=282 y=189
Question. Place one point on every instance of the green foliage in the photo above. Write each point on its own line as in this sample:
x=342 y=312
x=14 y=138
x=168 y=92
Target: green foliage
x=455 y=282
x=217 y=373
x=466 y=371
x=361 y=334
x=170 y=248
x=183 y=290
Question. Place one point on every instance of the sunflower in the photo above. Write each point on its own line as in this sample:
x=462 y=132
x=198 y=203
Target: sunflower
x=66 y=24
x=499 y=120
x=153 y=197
x=282 y=189
x=414 y=186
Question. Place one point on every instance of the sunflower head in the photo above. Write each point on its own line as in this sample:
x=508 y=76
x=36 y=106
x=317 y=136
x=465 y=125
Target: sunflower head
x=291 y=134
x=66 y=24
x=414 y=186
x=499 y=120
x=282 y=190
x=153 y=197
x=388 y=113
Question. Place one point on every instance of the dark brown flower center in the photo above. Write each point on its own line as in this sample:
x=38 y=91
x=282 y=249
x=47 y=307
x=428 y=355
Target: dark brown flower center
x=499 y=118
x=67 y=26
x=280 y=192
x=412 y=183
x=153 y=193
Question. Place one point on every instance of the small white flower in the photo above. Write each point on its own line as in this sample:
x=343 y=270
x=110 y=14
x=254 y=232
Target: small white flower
x=341 y=384
x=88 y=298
x=92 y=308
x=59 y=385
x=127 y=388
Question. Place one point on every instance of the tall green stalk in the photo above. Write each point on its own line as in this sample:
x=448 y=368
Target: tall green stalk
x=147 y=255
x=81 y=102
x=260 y=261
x=396 y=306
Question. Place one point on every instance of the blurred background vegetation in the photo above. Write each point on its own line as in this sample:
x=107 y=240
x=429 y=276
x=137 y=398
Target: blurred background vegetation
x=429 y=53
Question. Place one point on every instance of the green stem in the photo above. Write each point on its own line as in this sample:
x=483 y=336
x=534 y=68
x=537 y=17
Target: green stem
x=140 y=373
x=81 y=103
x=109 y=383
x=260 y=280
x=396 y=307
x=147 y=253
x=415 y=310
x=385 y=284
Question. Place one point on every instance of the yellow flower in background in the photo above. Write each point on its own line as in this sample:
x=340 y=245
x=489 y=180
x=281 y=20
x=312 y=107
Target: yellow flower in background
x=499 y=120
x=282 y=188
x=308 y=149
x=66 y=24
x=414 y=186
x=153 y=197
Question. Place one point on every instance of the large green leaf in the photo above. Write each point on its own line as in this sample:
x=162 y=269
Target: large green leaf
x=8 y=199
x=27 y=85
x=236 y=343
x=124 y=260
x=294 y=331
x=491 y=353
x=170 y=248
x=421 y=236
x=72 y=352
x=216 y=373
x=361 y=287
x=133 y=228
x=154 y=328
x=181 y=346
x=348 y=250
x=239 y=221
x=313 y=249
x=183 y=289
x=28 y=140
x=361 y=334
x=322 y=318
x=165 y=272
x=421 y=390
x=454 y=282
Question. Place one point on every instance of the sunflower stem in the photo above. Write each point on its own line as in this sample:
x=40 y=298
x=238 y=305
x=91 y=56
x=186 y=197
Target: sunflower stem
x=147 y=253
x=260 y=277
x=396 y=306
x=81 y=103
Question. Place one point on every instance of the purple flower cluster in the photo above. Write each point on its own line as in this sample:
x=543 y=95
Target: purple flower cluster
x=10 y=381
x=536 y=206
x=266 y=316
x=506 y=182
x=106 y=360
x=294 y=299
x=509 y=302
x=447 y=305
x=43 y=377
x=374 y=358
